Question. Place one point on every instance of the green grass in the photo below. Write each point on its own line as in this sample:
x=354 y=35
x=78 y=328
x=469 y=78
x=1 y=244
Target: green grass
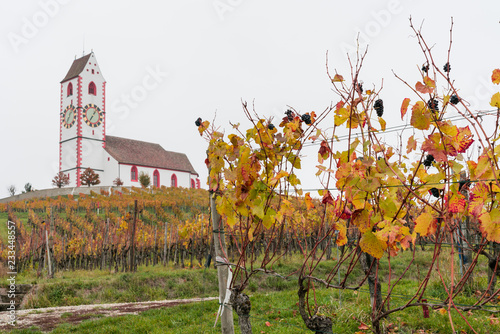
x=274 y=300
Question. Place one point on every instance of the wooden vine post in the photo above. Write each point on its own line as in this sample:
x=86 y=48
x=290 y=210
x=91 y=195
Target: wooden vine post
x=222 y=268
x=132 y=242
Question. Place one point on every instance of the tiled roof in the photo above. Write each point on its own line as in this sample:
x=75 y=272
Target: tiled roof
x=135 y=152
x=76 y=68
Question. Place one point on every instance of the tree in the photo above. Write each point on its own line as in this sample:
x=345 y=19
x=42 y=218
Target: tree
x=60 y=180
x=144 y=179
x=12 y=190
x=89 y=177
x=28 y=188
x=118 y=182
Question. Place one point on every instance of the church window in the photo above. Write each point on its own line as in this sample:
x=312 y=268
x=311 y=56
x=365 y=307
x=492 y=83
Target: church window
x=173 y=181
x=133 y=174
x=192 y=184
x=92 y=89
x=156 y=179
x=70 y=89
x=92 y=71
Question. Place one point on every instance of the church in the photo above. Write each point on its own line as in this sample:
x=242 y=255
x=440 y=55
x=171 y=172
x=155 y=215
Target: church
x=83 y=141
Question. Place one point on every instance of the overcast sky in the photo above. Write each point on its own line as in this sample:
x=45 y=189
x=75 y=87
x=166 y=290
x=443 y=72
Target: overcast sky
x=207 y=56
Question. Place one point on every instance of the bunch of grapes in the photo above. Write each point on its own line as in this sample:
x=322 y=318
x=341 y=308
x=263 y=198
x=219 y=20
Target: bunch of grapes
x=270 y=126
x=360 y=88
x=454 y=99
x=198 y=121
x=447 y=67
x=379 y=107
x=433 y=105
x=289 y=114
x=429 y=159
x=425 y=68
x=434 y=192
x=306 y=118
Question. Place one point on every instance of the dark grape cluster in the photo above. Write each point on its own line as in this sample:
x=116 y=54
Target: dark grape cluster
x=429 y=159
x=289 y=114
x=198 y=121
x=433 y=105
x=379 y=107
x=306 y=118
x=434 y=192
x=454 y=99
x=447 y=67
x=425 y=68
x=270 y=126
x=360 y=88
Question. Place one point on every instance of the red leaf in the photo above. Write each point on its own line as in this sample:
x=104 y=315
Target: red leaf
x=363 y=326
x=327 y=198
x=268 y=324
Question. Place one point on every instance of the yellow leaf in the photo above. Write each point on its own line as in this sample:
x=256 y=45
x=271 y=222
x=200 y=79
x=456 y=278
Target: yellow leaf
x=382 y=123
x=443 y=311
x=495 y=100
x=424 y=223
x=490 y=225
x=370 y=244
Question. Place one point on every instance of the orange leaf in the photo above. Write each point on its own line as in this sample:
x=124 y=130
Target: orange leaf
x=404 y=107
x=495 y=77
x=412 y=145
x=268 y=324
x=443 y=311
x=426 y=87
x=337 y=78
x=363 y=326
x=308 y=200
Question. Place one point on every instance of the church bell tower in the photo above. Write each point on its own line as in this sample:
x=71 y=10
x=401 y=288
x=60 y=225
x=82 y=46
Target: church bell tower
x=82 y=119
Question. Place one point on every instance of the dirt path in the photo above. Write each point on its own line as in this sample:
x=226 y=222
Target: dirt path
x=46 y=319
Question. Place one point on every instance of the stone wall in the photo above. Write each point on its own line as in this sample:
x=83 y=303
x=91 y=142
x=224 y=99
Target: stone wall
x=54 y=192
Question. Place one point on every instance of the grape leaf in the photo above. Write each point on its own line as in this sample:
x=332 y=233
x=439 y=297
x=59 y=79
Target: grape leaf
x=432 y=144
x=411 y=145
x=495 y=76
x=425 y=224
x=426 y=87
x=404 y=107
x=420 y=116
x=338 y=78
x=495 y=100
x=490 y=225
x=370 y=244
x=308 y=200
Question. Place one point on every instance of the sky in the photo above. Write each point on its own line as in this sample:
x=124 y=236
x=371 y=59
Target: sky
x=206 y=57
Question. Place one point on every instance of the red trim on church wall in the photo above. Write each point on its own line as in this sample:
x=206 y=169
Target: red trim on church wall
x=79 y=134
x=104 y=114
x=198 y=185
x=60 y=129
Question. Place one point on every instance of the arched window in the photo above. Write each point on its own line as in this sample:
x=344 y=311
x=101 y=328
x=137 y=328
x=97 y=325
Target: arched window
x=193 y=184
x=156 y=179
x=133 y=174
x=92 y=89
x=173 y=181
x=70 y=89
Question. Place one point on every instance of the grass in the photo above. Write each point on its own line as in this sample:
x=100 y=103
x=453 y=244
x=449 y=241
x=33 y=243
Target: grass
x=274 y=300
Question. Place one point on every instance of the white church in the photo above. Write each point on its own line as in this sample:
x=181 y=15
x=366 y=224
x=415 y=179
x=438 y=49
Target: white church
x=84 y=143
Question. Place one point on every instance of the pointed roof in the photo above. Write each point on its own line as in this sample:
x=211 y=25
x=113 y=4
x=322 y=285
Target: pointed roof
x=77 y=67
x=136 y=152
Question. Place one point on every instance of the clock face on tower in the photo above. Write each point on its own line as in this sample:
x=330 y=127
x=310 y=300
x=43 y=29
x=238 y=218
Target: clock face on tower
x=92 y=115
x=69 y=116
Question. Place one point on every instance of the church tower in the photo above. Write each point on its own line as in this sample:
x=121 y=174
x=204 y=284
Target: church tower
x=82 y=119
